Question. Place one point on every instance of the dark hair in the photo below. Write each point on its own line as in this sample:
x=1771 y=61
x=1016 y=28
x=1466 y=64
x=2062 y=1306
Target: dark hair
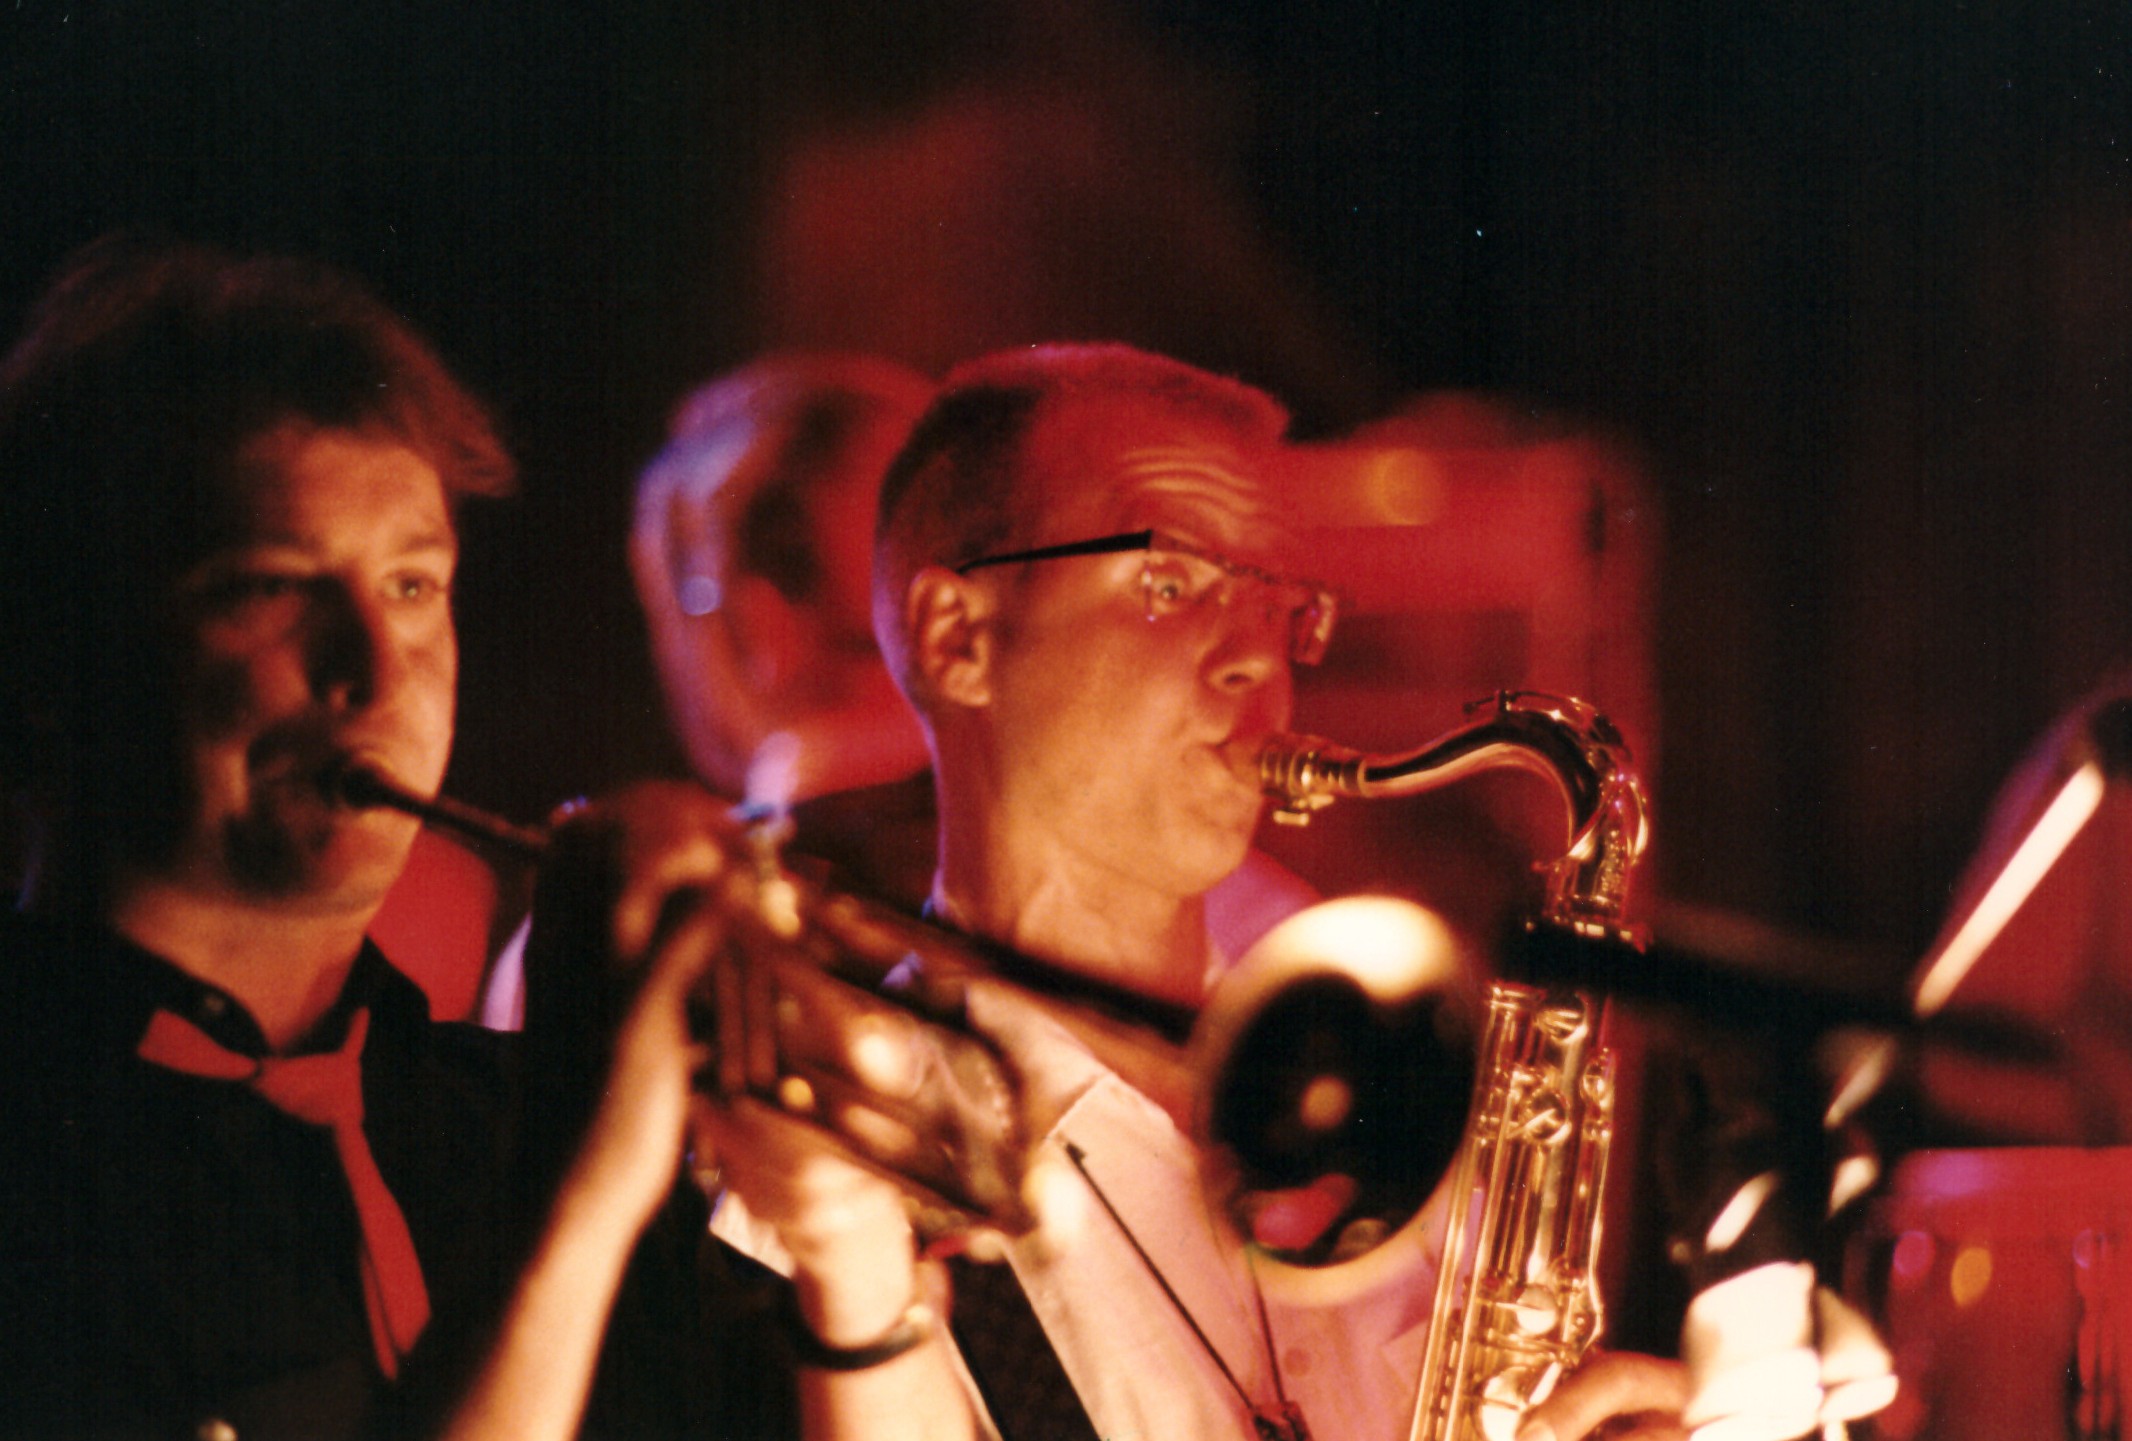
x=145 y=368
x=958 y=489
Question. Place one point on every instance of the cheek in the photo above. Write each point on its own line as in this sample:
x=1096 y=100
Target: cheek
x=229 y=694
x=436 y=669
x=1045 y=715
x=1109 y=718
x=435 y=662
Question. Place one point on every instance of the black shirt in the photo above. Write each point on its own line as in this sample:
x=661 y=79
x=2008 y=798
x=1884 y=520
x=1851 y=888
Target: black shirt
x=175 y=1252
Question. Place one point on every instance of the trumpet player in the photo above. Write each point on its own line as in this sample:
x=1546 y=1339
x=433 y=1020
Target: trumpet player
x=247 y=1189
x=1086 y=586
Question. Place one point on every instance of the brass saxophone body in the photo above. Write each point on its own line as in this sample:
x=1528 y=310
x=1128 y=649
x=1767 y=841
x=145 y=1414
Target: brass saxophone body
x=1517 y=1300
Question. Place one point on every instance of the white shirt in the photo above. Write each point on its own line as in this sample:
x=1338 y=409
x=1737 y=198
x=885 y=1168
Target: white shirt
x=1349 y=1353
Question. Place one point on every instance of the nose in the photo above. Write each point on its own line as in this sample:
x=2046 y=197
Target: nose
x=1252 y=646
x=356 y=654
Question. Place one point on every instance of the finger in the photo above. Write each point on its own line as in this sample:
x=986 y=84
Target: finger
x=978 y=1243
x=684 y=954
x=704 y=1162
x=680 y=863
x=788 y=1172
x=1013 y=1018
x=1620 y=1383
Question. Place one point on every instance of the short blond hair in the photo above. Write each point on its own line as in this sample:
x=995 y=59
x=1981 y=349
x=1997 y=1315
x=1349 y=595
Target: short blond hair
x=961 y=486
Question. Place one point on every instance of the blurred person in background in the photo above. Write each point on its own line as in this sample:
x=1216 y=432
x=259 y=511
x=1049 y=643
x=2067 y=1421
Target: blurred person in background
x=751 y=555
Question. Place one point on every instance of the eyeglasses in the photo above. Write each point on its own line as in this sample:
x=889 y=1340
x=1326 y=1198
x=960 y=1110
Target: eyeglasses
x=1177 y=578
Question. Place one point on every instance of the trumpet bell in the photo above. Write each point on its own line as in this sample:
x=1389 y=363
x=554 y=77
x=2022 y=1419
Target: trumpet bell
x=1335 y=1062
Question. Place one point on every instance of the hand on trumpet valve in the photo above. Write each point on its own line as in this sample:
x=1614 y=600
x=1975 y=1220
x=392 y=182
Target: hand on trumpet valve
x=720 y=1013
x=621 y=945
x=789 y=1001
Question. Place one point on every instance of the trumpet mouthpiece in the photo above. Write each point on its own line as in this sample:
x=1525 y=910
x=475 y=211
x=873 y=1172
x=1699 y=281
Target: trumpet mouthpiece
x=360 y=787
x=357 y=786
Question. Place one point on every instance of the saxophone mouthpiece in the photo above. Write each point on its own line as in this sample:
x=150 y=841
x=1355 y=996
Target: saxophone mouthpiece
x=1302 y=775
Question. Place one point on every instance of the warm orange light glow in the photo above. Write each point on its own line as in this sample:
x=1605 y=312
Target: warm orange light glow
x=1970 y=1276
x=795 y=1095
x=1391 y=948
x=1401 y=487
x=1326 y=1104
x=1731 y=1223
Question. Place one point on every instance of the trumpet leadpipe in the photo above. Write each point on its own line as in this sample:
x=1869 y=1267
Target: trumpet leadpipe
x=360 y=787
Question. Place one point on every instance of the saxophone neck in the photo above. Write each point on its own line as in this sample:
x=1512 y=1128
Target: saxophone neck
x=1564 y=740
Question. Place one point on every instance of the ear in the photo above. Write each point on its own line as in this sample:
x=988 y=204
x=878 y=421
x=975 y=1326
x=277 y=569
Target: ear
x=949 y=619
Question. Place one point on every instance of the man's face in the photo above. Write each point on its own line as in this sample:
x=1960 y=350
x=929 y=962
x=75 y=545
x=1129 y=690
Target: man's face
x=1131 y=741
x=316 y=631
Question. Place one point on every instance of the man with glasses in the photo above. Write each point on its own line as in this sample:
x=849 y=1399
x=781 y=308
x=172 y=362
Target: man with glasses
x=1177 y=577
x=1084 y=583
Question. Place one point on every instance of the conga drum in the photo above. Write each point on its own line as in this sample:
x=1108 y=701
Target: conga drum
x=2001 y=1282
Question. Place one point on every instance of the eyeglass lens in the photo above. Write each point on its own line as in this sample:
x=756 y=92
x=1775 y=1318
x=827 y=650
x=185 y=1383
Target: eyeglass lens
x=1174 y=581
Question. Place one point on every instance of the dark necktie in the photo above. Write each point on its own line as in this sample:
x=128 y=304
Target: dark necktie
x=1023 y=1384
x=324 y=1090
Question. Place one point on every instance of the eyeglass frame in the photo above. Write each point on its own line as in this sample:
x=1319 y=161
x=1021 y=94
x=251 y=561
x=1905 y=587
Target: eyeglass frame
x=1311 y=628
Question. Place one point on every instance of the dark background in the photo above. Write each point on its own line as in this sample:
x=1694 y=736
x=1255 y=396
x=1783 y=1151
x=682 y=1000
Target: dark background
x=1852 y=280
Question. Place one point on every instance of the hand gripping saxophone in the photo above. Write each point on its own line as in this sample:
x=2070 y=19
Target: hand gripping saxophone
x=1517 y=1300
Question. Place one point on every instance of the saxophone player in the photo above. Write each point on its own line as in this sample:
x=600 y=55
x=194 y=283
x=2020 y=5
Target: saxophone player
x=1084 y=585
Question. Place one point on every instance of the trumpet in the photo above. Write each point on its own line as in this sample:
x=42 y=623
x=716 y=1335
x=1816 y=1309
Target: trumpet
x=359 y=787
x=851 y=1017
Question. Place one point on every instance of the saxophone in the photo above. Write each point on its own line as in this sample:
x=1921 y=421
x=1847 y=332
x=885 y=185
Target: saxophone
x=1517 y=1301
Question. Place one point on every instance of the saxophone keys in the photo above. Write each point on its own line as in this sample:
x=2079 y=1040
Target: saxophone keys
x=1546 y=1121
x=1508 y=1394
x=1536 y=1311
